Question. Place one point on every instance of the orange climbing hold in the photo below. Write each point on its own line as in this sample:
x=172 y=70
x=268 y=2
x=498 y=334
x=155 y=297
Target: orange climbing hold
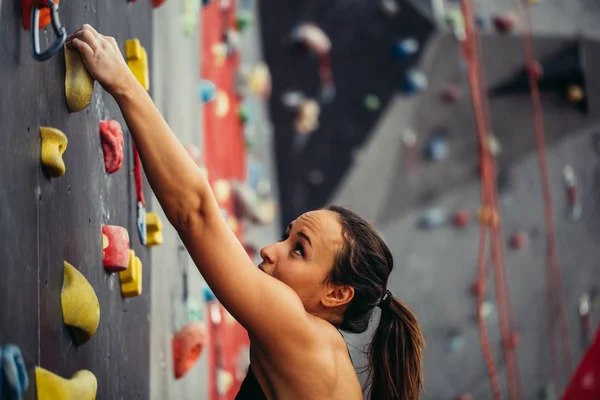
x=488 y=215
x=45 y=17
x=112 y=145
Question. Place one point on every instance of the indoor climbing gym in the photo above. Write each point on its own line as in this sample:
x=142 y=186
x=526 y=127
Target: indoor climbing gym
x=300 y=200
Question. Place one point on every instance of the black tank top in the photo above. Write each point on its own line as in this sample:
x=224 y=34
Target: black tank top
x=250 y=389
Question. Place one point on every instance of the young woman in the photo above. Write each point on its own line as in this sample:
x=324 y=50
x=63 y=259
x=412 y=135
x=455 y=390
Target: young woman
x=328 y=272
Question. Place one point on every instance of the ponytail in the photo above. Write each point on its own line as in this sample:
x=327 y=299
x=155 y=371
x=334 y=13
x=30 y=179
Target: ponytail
x=395 y=355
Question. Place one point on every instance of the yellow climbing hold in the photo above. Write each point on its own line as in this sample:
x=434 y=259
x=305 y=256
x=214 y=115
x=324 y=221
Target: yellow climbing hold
x=154 y=229
x=575 y=94
x=54 y=144
x=80 y=307
x=131 y=278
x=82 y=386
x=79 y=84
x=137 y=60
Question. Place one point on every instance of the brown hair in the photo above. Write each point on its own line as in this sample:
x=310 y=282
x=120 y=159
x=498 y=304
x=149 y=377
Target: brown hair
x=365 y=263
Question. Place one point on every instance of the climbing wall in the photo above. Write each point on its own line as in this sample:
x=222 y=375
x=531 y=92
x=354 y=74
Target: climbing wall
x=363 y=36
x=46 y=221
x=435 y=268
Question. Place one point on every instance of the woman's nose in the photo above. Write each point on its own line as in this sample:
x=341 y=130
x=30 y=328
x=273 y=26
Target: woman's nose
x=269 y=253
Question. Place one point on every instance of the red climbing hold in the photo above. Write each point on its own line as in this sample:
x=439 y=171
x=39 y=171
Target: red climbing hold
x=188 y=344
x=461 y=218
x=505 y=23
x=518 y=240
x=115 y=248
x=112 y=145
x=478 y=288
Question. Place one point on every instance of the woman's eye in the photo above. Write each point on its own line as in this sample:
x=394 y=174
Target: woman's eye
x=284 y=236
x=299 y=250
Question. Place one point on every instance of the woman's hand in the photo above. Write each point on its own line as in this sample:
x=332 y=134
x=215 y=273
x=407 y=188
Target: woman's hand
x=102 y=58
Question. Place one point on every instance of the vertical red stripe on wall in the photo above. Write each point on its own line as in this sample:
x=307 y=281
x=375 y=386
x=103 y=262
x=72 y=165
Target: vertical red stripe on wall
x=224 y=157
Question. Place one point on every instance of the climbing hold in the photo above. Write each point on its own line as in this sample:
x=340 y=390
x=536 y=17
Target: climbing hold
x=79 y=84
x=389 y=7
x=486 y=309
x=506 y=22
x=415 y=82
x=222 y=104
x=208 y=294
x=13 y=373
x=307 y=116
x=313 y=37
x=249 y=205
x=219 y=52
x=222 y=190
x=260 y=81
x=232 y=41
x=115 y=248
x=54 y=144
x=292 y=99
x=224 y=381
x=206 y=2
x=487 y=215
x=157 y=3
x=536 y=69
x=372 y=102
x=188 y=344
x=244 y=18
x=455 y=343
x=154 y=229
x=518 y=240
x=243 y=114
x=82 y=386
x=436 y=148
x=451 y=93
x=112 y=145
x=131 y=278
x=44 y=14
x=80 y=307
x=207 y=90
x=433 y=218
x=575 y=94
x=409 y=138
x=137 y=60
x=461 y=218
x=493 y=145
x=263 y=187
x=406 y=47
x=478 y=288
x=480 y=21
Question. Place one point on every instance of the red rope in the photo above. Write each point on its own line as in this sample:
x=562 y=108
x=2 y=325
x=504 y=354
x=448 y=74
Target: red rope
x=137 y=170
x=554 y=289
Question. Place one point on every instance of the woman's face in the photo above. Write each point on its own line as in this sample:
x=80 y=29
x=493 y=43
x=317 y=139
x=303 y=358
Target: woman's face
x=304 y=256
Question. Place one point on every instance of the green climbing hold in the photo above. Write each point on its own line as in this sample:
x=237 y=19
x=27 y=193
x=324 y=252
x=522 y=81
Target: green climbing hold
x=243 y=114
x=372 y=102
x=243 y=20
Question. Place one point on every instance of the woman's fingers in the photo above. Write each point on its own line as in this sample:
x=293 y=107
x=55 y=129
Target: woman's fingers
x=83 y=48
x=86 y=34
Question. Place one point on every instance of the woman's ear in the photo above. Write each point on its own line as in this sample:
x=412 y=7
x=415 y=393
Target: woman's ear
x=337 y=295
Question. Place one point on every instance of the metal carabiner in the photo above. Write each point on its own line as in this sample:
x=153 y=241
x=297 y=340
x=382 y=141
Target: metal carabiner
x=59 y=30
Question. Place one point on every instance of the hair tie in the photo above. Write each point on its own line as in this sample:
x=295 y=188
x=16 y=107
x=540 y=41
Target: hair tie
x=385 y=300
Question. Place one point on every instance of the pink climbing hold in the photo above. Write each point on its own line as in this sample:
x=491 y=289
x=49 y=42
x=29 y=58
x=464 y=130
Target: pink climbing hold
x=518 y=241
x=112 y=145
x=505 y=23
x=115 y=248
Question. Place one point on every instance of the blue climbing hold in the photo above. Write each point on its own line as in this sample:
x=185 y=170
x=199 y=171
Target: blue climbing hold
x=455 y=343
x=205 y=2
x=480 y=21
x=433 y=218
x=208 y=294
x=406 y=47
x=207 y=90
x=13 y=373
x=437 y=147
x=415 y=82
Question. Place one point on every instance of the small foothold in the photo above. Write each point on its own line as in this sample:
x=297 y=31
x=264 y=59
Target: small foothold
x=486 y=309
x=575 y=94
x=461 y=218
x=79 y=84
x=415 y=82
x=112 y=145
x=206 y=2
x=157 y=3
x=54 y=144
x=406 y=47
x=536 y=69
x=208 y=294
x=505 y=23
x=433 y=218
x=259 y=81
x=207 y=90
x=518 y=240
x=187 y=344
x=80 y=307
x=13 y=373
x=244 y=18
x=487 y=215
x=451 y=93
x=116 y=247
x=222 y=190
x=455 y=343
x=478 y=288
x=137 y=60
x=154 y=229
x=307 y=116
x=313 y=37
x=372 y=102
x=131 y=278
x=390 y=8
x=480 y=21
x=222 y=104
x=82 y=386
x=409 y=138
x=437 y=147
x=292 y=99
x=493 y=145
x=243 y=114
x=224 y=381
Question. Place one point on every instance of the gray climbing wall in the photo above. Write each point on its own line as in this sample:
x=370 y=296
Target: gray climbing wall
x=435 y=269
x=44 y=222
